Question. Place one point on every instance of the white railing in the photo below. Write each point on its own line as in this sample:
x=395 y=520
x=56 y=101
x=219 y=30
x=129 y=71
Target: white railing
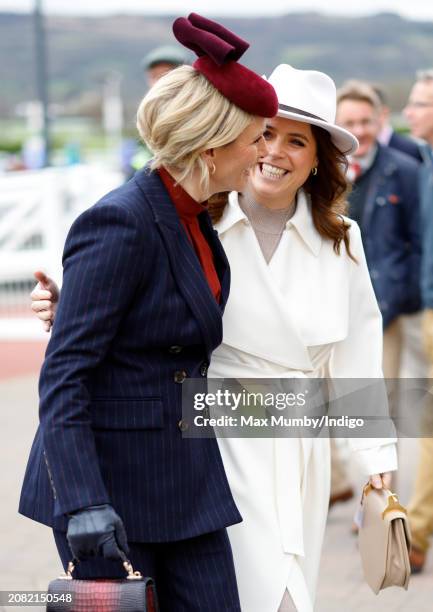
x=36 y=212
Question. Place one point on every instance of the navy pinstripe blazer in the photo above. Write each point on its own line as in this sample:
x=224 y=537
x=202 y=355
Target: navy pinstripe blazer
x=135 y=315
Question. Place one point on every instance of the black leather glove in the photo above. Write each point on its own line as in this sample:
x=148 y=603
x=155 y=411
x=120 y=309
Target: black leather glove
x=96 y=531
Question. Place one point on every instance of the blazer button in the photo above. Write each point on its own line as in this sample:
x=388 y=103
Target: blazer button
x=183 y=425
x=175 y=349
x=179 y=376
x=203 y=368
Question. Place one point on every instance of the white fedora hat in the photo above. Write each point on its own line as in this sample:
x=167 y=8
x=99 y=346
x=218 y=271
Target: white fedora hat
x=310 y=96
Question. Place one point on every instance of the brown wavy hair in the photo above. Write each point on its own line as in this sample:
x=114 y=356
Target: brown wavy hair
x=328 y=191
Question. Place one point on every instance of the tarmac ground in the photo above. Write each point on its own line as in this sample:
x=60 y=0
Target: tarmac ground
x=28 y=558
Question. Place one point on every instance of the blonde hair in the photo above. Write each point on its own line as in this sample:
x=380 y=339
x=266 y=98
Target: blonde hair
x=181 y=116
x=359 y=91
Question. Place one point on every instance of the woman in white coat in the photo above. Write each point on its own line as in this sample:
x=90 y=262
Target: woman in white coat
x=301 y=304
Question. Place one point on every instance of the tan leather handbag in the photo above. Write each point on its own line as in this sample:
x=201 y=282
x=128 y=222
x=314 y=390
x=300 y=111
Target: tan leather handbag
x=384 y=540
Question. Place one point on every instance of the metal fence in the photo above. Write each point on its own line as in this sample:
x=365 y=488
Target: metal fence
x=36 y=211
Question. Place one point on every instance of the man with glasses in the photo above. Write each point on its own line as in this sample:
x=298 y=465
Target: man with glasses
x=385 y=203
x=419 y=114
x=387 y=135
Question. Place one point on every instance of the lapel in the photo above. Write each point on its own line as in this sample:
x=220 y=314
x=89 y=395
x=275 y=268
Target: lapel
x=302 y=221
x=184 y=263
x=264 y=328
x=382 y=169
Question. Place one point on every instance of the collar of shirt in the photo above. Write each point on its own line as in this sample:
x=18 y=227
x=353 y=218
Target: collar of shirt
x=385 y=135
x=367 y=160
x=302 y=220
x=185 y=205
x=188 y=210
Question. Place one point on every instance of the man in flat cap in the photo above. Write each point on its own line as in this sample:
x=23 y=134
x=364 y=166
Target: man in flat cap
x=161 y=60
x=156 y=64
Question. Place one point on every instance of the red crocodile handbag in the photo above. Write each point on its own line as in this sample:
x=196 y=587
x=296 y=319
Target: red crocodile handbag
x=134 y=593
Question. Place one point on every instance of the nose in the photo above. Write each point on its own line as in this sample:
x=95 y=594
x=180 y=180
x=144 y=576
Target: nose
x=358 y=130
x=274 y=148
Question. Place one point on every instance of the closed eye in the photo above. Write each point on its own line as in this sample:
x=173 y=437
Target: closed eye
x=257 y=140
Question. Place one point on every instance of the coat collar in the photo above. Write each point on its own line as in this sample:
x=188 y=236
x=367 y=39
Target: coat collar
x=232 y=214
x=426 y=153
x=185 y=265
x=385 y=162
x=157 y=196
x=384 y=167
x=256 y=302
x=302 y=220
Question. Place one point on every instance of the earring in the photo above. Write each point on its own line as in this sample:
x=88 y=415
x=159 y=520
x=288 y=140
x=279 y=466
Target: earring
x=314 y=171
x=212 y=169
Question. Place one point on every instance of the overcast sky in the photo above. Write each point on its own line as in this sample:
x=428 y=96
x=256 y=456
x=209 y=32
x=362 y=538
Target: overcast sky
x=415 y=9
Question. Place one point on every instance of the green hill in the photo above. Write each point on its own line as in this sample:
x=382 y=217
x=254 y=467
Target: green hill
x=383 y=48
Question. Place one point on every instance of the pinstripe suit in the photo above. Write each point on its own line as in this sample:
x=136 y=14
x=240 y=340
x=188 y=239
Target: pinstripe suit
x=135 y=317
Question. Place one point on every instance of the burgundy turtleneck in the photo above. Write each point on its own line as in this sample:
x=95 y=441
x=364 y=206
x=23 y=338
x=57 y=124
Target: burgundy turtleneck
x=188 y=210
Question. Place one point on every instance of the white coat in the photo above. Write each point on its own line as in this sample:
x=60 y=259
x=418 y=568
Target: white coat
x=309 y=312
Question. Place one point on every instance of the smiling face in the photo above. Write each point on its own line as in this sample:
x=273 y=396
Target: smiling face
x=291 y=155
x=235 y=161
x=363 y=120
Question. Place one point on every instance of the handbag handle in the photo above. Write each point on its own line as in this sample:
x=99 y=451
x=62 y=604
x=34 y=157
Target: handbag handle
x=131 y=574
x=393 y=503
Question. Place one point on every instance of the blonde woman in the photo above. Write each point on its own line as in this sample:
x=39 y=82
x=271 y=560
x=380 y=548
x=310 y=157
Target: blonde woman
x=144 y=287
x=301 y=305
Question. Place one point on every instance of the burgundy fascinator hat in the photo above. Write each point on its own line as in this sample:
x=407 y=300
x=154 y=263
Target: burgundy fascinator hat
x=218 y=50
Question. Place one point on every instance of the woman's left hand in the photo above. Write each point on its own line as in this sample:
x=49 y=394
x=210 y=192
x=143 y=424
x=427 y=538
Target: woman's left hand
x=379 y=481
